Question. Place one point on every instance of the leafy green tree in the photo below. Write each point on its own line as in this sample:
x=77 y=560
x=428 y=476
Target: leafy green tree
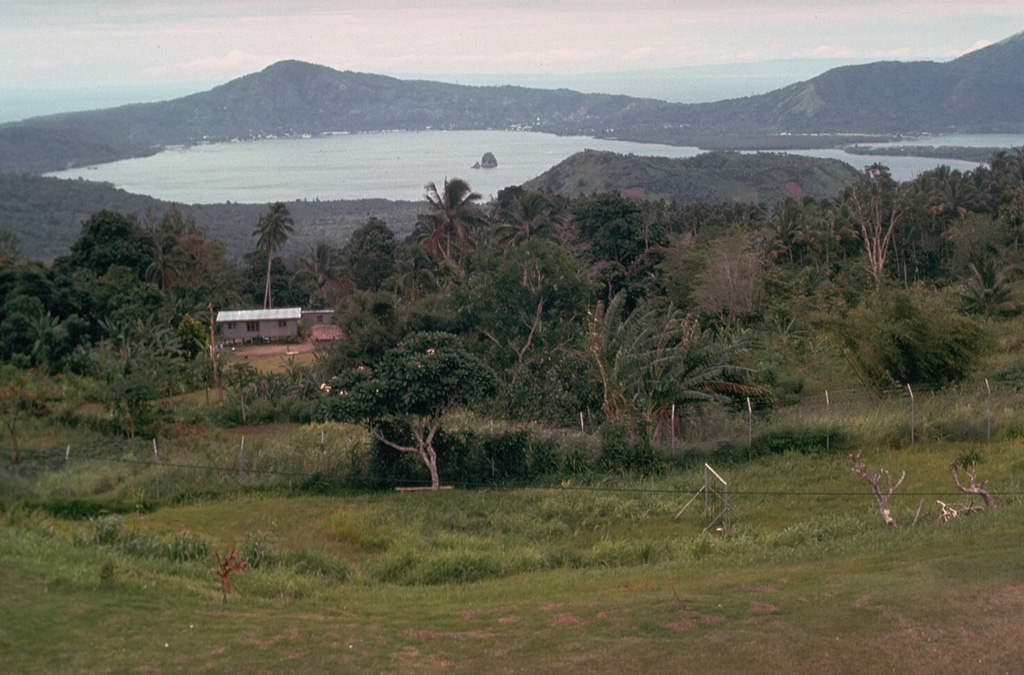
x=615 y=227
x=241 y=378
x=272 y=231
x=203 y=274
x=785 y=227
x=417 y=385
x=369 y=255
x=370 y=324
x=18 y=330
x=284 y=290
x=192 y=336
x=120 y=298
x=127 y=398
x=528 y=302
x=109 y=238
x=21 y=393
x=10 y=248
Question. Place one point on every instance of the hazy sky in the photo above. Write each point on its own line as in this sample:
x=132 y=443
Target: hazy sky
x=61 y=44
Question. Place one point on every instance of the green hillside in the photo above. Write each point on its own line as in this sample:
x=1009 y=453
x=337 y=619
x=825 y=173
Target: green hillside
x=46 y=215
x=710 y=177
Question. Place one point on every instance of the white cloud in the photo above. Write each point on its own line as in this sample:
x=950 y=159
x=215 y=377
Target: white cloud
x=73 y=41
x=233 y=62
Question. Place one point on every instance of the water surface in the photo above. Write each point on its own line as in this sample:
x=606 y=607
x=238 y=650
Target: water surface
x=397 y=165
x=393 y=165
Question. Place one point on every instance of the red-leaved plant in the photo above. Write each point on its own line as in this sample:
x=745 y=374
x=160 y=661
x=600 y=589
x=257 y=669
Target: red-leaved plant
x=225 y=567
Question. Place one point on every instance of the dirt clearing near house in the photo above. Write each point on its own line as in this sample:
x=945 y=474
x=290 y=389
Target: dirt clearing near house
x=271 y=356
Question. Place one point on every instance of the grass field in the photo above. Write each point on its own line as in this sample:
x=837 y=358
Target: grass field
x=585 y=577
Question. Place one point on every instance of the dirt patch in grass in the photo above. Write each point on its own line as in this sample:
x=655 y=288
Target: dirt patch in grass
x=451 y=635
x=567 y=620
x=274 y=349
x=766 y=589
x=681 y=624
x=473 y=613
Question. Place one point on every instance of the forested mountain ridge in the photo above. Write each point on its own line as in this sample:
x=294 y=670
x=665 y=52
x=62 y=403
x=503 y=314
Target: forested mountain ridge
x=712 y=177
x=46 y=215
x=981 y=91
x=296 y=98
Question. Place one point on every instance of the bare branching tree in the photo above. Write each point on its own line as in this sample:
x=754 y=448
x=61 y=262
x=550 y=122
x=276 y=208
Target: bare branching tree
x=975 y=488
x=874 y=480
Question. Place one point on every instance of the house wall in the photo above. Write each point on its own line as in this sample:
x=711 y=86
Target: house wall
x=267 y=329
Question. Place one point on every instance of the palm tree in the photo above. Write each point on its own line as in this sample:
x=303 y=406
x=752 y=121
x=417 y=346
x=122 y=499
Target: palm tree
x=989 y=290
x=416 y=272
x=652 y=359
x=322 y=272
x=950 y=194
x=446 y=231
x=273 y=230
x=784 y=222
x=528 y=216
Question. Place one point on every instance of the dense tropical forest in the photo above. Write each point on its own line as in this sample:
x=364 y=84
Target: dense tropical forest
x=618 y=313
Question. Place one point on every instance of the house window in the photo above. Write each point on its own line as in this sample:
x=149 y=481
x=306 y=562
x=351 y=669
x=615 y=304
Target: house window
x=319 y=318
x=231 y=325
x=252 y=326
x=282 y=323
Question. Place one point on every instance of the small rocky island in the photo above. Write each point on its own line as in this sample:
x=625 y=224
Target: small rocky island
x=487 y=162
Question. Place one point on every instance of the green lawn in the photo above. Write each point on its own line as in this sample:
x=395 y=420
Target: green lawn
x=571 y=580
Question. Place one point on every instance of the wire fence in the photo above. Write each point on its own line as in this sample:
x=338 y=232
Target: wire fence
x=244 y=477
x=887 y=419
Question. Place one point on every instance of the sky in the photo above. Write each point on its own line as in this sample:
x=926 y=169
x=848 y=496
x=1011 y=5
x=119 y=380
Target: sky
x=164 y=48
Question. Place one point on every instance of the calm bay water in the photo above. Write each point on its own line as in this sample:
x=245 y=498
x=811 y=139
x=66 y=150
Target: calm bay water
x=393 y=165
x=397 y=165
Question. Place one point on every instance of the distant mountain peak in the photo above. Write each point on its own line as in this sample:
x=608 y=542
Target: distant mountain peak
x=1018 y=37
x=980 y=92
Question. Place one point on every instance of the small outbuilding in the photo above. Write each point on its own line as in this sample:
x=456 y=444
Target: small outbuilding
x=259 y=324
x=317 y=326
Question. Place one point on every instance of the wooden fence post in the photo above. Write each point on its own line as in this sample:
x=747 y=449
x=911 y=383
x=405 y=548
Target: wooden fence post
x=988 y=412
x=911 y=413
x=828 y=422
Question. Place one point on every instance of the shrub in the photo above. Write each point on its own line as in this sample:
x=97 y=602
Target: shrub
x=543 y=456
x=258 y=550
x=580 y=454
x=506 y=455
x=187 y=546
x=895 y=338
x=311 y=563
x=87 y=509
x=626 y=446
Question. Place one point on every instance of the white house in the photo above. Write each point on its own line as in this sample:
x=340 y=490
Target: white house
x=260 y=324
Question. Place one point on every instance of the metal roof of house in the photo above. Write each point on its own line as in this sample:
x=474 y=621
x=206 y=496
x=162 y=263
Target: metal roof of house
x=260 y=314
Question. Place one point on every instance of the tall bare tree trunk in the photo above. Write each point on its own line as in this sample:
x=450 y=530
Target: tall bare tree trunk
x=266 y=289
